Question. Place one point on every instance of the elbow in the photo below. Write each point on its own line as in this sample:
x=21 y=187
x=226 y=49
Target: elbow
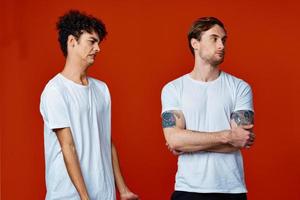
x=172 y=140
x=174 y=144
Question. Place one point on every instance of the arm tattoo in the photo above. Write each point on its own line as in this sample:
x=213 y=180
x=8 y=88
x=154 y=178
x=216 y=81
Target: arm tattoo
x=168 y=119
x=243 y=117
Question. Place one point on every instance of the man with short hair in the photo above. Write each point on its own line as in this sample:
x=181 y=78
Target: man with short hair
x=207 y=117
x=81 y=160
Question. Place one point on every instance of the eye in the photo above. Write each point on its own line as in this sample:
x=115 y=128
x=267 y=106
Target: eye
x=224 y=39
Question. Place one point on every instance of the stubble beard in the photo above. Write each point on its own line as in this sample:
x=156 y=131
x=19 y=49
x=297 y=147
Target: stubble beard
x=90 y=61
x=215 y=62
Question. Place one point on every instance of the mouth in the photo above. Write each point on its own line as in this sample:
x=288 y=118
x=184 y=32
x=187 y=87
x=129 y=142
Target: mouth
x=221 y=54
x=93 y=56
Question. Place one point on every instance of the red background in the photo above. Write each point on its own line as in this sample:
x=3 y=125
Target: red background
x=147 y=47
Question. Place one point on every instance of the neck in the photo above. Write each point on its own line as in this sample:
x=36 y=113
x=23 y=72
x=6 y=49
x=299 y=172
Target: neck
x=204 y=71
x=75 y=72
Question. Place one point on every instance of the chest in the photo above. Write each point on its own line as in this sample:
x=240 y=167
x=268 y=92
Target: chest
x=204 y=100
x=86 y=101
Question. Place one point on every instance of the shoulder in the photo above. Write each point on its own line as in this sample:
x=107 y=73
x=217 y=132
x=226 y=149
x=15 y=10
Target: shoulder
x=100 y=85
x=54 y=86
x=54 y=94
x=175 y=84
x=234 y=81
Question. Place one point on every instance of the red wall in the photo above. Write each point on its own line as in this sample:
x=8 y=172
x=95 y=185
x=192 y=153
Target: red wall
x=146 y=47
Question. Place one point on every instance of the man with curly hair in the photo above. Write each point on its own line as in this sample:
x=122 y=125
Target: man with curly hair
x=207 y=117
x=81 y=160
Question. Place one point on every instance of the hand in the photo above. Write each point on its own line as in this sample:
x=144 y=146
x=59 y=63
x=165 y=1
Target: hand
x=128 y=195
x=241 y=137
x=174 y=151
x=251 y=139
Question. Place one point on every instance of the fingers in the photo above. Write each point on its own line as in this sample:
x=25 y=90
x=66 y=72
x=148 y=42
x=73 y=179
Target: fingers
x=251 y=137
x=129 y=196
x=242 y=136
x=134 y=197
x=174 y=151
x=168 y=146
x=177 y=153
x=246 y=126
x=250 y=141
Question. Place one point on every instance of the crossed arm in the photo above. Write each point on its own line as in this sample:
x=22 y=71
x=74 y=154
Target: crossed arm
x=65 y=139
x=181 y=140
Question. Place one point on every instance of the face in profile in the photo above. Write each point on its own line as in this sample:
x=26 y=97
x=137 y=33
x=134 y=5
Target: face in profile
x=211 y=47
x=87 y=47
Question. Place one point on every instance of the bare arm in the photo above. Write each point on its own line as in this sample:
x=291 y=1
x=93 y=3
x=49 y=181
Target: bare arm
x=238 y=118
x=242 y=117
x=65 y=139
x=190 y=141
x=125 y=193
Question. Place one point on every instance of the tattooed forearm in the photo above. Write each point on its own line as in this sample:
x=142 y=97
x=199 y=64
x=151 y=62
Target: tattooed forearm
x=168 y=119
x=243 y=117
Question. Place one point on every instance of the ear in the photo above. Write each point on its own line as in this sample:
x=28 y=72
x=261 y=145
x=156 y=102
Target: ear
x=194 y=43
x=71 y=41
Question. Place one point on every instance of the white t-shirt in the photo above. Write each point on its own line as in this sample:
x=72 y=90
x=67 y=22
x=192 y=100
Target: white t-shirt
x=207 y=107
x=87 y=111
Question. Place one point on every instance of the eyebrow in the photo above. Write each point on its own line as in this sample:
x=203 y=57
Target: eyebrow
x=94 y=39
x=215 y=35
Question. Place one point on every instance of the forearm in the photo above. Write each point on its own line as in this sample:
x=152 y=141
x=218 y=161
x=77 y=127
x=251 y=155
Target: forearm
x=182 y=140
x=74 y=171
x=117 y=171
x=221 y=148
x=191 y=141
x=239 y=118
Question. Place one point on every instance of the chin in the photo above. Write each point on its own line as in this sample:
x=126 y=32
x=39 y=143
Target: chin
x=90 y=63
x=217 y=62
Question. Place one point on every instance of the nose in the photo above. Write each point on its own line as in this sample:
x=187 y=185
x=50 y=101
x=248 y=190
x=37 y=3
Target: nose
x=97 y=48
x=221 y=44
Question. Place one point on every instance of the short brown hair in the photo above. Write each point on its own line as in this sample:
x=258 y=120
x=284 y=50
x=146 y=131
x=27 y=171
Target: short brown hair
x=200 y=25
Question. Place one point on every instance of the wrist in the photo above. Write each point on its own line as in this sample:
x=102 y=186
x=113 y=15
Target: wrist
x=225 y=137
x=123 y=190
x=84 y=196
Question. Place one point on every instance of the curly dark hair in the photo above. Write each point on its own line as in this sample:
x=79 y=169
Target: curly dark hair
x=200 y=25
x=75 y=23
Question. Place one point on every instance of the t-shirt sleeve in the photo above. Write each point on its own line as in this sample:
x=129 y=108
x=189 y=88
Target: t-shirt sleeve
x=107 y=95
x=54 y=109
x=244 y=99
x=170 y=98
